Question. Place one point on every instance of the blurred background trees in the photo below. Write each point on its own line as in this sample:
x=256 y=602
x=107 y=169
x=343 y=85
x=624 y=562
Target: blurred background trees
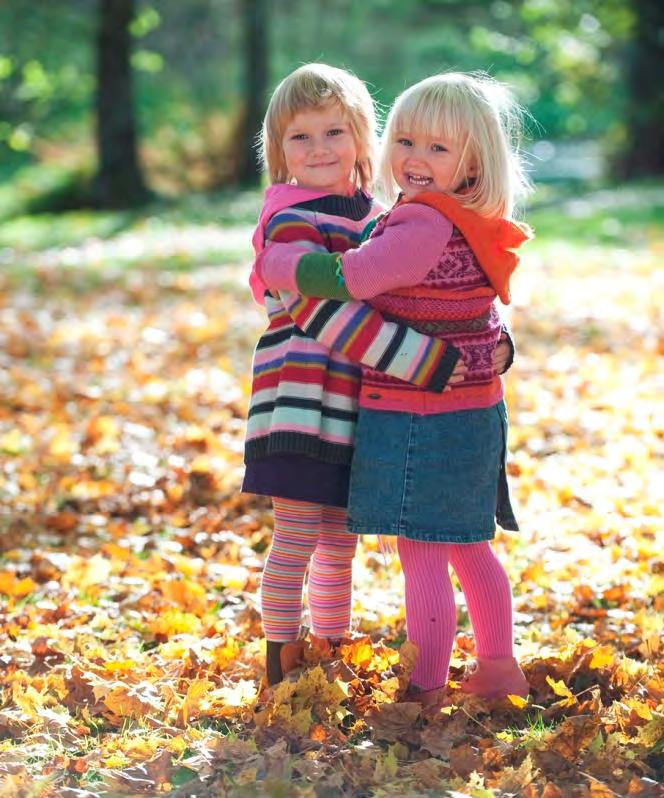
x=202 y=71
x=118 y=179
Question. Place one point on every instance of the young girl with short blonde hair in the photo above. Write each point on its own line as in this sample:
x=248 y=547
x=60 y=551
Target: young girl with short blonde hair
x=318 y=148
x=312 y=86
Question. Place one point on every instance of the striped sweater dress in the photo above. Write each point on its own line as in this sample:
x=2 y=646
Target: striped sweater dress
x=306 y=374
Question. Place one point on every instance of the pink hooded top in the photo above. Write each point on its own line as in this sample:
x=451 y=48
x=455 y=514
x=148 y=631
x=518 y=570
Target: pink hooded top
x=277 y=198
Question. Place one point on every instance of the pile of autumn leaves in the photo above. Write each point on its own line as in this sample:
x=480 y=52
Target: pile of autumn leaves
x=131 y=650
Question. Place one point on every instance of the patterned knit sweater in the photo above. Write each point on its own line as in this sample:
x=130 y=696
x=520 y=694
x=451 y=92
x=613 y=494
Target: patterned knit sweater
x=305 y=382
x=419 y=268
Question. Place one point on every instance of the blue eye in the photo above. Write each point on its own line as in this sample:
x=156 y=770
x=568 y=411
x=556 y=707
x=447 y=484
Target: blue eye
x=438 y=148
x=299 y=137
x=405 y=142
x=337 y=131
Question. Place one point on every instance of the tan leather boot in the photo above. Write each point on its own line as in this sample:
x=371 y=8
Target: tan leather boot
x=282 y=658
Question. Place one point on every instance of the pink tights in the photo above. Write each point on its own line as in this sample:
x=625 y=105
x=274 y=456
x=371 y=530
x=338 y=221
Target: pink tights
x=431 y=612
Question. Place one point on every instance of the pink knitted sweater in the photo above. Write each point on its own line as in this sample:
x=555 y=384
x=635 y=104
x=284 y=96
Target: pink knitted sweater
x=419 y=269
x=442 y=291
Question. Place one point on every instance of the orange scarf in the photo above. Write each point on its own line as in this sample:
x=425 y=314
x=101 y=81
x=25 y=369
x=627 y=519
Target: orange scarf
x=492 y=240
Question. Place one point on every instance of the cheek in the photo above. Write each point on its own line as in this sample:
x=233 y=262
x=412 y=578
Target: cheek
x=293 y=155
x=348 y=150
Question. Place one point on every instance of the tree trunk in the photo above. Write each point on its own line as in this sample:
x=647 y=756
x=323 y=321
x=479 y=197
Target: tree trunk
x=118 y=182
x=644 y=155
x=255 y=20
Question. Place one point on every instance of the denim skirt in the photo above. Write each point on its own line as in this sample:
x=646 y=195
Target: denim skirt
x=437 y=478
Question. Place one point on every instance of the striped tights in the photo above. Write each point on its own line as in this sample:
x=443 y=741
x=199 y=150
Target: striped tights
x=431 y=617
x=305 y=532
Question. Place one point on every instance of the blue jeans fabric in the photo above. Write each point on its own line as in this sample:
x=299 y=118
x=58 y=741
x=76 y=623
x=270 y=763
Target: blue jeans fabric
x=437 y=478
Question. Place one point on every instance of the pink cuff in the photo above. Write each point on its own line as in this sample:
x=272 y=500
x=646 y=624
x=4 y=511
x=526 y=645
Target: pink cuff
x=277 y=266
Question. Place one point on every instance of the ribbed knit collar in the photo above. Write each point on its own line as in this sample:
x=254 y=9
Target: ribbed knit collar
x=283 y=195
x=355 y=207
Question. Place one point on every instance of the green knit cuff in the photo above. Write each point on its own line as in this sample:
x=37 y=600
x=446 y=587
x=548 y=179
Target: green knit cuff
x=370 y=227
x=319 y=274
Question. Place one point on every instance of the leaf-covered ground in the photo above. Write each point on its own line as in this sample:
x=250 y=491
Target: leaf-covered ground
x=131 y=650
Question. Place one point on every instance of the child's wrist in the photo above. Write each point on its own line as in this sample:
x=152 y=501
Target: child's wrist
x=320 y=274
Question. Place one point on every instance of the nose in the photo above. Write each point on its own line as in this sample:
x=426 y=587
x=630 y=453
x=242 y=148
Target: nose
x=416 y=157
x=319 y=144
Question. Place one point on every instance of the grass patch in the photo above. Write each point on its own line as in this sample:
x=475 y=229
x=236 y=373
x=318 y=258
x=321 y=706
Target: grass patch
x=42 y=231
x=535 y=731
x=629 y=215
x=25 y=232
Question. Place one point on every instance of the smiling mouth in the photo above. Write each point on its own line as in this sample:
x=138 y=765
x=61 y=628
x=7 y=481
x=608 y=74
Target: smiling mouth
x=419 y=180
x=321 y=165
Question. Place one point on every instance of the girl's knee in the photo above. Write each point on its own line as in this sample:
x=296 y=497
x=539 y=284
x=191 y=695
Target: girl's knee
x=422 y=554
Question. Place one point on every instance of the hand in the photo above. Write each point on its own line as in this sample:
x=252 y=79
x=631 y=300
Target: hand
x=458 y=375
x=501 y=356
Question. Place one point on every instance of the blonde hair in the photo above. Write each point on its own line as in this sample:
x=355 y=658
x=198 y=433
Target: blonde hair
x=314 y=86
x=482 y=117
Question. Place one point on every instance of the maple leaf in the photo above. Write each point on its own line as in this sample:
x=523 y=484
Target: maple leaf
x=602 y=657
x=573 y=736
x=514 y=780
x=464 y=760
x=194 y=698
x=407 y=659
x=518 y=701
x=226 y=653
x=16 y=588
x=392 y=722
x=314 y=690
x=175 y=622
x=133 y=702
x=560 y=688
x=358 y=653
x=429 y=773
x=186 y=594
x=143 y=778
x=440 y=736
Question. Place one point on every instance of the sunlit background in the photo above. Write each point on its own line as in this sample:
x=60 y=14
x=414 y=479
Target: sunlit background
x=129 y=561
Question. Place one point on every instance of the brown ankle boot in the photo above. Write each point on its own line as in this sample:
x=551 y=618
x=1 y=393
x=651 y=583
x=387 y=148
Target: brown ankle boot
x=281 y=658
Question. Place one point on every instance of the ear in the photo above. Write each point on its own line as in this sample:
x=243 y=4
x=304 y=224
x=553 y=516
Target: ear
x=471 y=169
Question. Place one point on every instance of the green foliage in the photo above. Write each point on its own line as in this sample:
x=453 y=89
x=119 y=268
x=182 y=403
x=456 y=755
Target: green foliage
x=46 y=71
x=565 y=58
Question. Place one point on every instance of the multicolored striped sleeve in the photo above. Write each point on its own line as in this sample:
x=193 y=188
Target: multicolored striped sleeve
x=290 y=234
x=293 y=227
x=362 y=334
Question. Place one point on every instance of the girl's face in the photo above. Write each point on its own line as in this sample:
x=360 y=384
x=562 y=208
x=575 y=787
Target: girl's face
x=422 y=163
x=320 y=150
